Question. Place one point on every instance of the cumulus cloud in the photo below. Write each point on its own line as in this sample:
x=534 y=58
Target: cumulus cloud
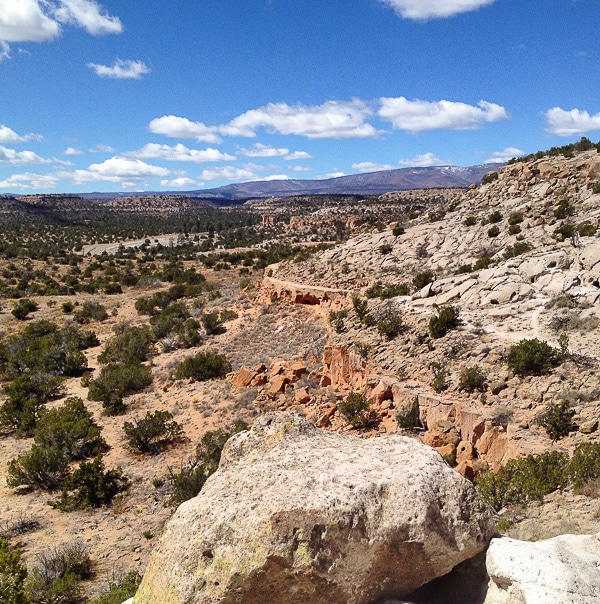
x=180 y=127
x=424 y=160
x=89 y=15
x=422 y=10
x=180 y=153
x=182 y=181
x=227 y=173
x=42 y=20
x=20 y=158
x=332 y=119
x=29 y=180
x=369 y=166
x=260 y=150
x=100 y=148
x=118 y=169
x=72 y=151
x=571 y=123
x=417 y=116
x=10 y=136
x=121 y=70
x=501 y=157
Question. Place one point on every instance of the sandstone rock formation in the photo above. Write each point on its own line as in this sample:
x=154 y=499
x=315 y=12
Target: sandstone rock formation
x=563 y=569
x=297 y=515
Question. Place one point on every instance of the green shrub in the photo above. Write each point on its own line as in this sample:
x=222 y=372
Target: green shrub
x=586 y=230
x=471 y=379
x=470 y=221
x=121 y=589
x=385 y=292
x=564 y=210
x=90 y=311
x=363 y=349
x=134 y=345
x=482 y=263
x=526 y=479
x=397 y=231
x=409 y=418
x=494 y=231
x=515 y=218
x=446 y=319
x=26 y=397
x=361 y=307
x=514 y=229
x=40 y=467
x=464 y=269
x=71 y=429
x=204 y=366
x=336 y=319
x=422 y=279
x=57 y=573
x=385 y=249
x=68 y=307
x=495 y=217
x=153 y=432
x=520 y=247
x=489 y=177
x=13 y=574
x=565 y=231
x=23 y=308
x=390 y=323
x=440 y=375
x=212 y=323
x=356 y=410
x=585 y=464
x=532 y=357
x=90 y=486
x=558 y=420
x=188 y=482
x=116 y=382
x=596 y=187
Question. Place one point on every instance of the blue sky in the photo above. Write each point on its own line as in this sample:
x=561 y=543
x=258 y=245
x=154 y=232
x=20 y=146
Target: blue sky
x=122 y=95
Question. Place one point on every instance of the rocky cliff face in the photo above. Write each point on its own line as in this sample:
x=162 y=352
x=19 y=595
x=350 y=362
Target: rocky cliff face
x=298 y=515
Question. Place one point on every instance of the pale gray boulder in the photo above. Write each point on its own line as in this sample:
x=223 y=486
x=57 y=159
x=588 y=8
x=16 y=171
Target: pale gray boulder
x=565 y=570
x=296 y=515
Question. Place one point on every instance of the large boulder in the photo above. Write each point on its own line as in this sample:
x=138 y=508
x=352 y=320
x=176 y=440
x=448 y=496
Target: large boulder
x=296 y=515
x=563 y=569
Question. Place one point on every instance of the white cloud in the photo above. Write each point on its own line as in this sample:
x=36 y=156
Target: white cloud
x=332 y=119
x=72 y=151
x=260 y=150
x=276 y=177
x=20 y=158
x=181 y=127
x=421 y=10
x=180 y=153
x=183 y=181
x=571 y=123
x=417 y=116
x=500 y=157
x=227 y=173
x=4 y=50
x=121 y=70
x=10 y=136
x=42 y=20
x=29 y=180
x=89 y=15
x=425 y=160
x=369 y=166
x=118 y=169
x=100 y=148
x=336 y=174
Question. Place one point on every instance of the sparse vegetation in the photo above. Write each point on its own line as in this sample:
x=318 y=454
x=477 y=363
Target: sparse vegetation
x=356 y=410
x=532 y=357
x=558 y=420
x=152 y=432
x=472 y=378
x=204 y=366
x=447 y=318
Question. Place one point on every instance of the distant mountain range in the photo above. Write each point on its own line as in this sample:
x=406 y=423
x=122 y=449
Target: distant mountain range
x=372 y=183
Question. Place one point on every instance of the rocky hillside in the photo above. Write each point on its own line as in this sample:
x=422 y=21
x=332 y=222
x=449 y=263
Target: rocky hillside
x=518 y=258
